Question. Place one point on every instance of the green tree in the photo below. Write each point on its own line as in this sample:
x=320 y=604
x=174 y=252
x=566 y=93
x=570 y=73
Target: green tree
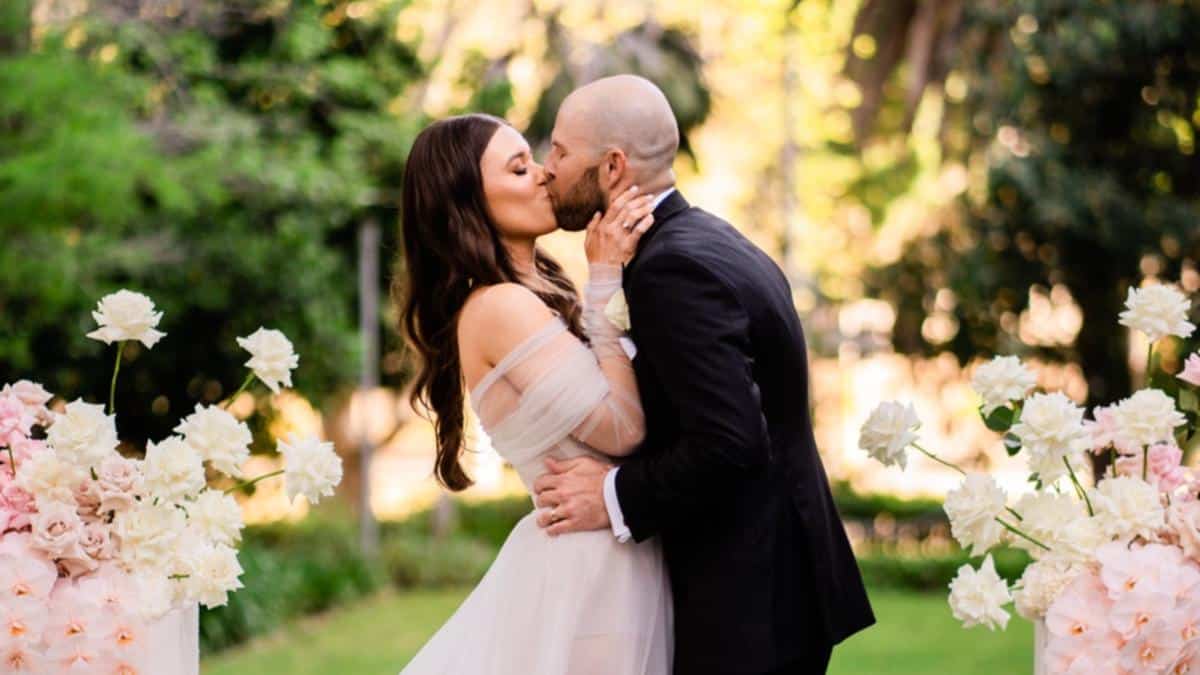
x=219 y=159
x=1080 y=118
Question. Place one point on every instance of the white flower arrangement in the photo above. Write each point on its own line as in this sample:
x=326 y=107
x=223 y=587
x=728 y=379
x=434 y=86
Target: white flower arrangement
x=89 y=535
x=1116 y=567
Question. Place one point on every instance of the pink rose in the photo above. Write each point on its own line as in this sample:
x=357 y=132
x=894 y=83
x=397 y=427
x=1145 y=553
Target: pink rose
x=31 y=394
x=57 y=530
x=1103 y=430
x=119 y=480
x=1183 y=518
x=87 y=499
x=15 y=420
x=1163 y=467
x=97 y=542
x=1191 y=370
x=20 y=506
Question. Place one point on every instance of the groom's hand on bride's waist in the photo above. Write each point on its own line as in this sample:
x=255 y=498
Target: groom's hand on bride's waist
x=571 y=495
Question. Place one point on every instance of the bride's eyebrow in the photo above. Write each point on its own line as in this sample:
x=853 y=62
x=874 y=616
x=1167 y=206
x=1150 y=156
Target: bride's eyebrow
x=518 y=155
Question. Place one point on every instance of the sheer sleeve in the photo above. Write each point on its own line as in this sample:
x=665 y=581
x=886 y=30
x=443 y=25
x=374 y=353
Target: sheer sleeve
x=552 y=385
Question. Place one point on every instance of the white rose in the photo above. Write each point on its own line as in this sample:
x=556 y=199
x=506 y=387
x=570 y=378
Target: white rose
x=888 y=431
x=49 y=479
x=126 y=315
x=219 y=438
x=1146 y=418
x=1042 y=583
x=977 y=598
x=147 y=534
x=83 y=435
x=216 y=517
x=1128 y=507
x=312 y=468
x=214 y=574
x=1157 y=310
x=617 y=311
x=172 y=470
x=271 y=357
x=973 y=508
x=1051 y=429
x=1001 y=381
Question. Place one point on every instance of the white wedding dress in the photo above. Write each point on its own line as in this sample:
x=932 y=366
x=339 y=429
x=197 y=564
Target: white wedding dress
x=577 y=604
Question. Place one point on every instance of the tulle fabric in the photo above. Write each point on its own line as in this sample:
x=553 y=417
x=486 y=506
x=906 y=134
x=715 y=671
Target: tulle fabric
x=578 y=604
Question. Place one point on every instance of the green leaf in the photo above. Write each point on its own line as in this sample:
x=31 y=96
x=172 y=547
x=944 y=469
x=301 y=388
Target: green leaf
x=1012 y=444
x=1000 y=420
x=1188 y=400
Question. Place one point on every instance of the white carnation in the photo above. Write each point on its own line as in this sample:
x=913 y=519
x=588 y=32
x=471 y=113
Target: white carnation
x=973 y=508
x=977 y=598
x=83 y=435
x=889 y=430
x=219 y=437
x=271 y=357
x=147 y=534
x=1146 y=418
x=1060 y=522
x=1042 y=583
x=214 y=572
x=1002 y=380
x=1051 y=429
x=1157 y=310
x=172 y=470
x=49 y=479
x=126 y=315
x=1127 y=507
x=312 y=468
x=215 y=517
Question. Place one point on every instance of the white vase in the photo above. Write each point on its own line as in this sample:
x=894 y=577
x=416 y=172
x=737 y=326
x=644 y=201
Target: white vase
x=1041 y=639
x=173 y=643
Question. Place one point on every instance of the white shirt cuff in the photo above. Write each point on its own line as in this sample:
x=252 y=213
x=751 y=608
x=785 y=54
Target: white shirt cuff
x=614 y=507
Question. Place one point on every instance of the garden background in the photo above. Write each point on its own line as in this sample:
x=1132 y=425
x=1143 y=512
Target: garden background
x=942 y=181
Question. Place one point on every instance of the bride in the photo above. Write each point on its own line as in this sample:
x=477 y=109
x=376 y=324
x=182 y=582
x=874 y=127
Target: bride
x=492 y=315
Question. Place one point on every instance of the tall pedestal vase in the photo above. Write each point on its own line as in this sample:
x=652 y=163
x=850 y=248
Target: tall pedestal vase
x=174 y=643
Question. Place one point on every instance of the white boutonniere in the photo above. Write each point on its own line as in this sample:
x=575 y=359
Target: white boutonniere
x=617 y=311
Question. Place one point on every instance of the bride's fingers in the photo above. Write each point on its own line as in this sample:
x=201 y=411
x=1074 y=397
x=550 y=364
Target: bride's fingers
x=642 y=225
x=622 y=199
x=548 y=499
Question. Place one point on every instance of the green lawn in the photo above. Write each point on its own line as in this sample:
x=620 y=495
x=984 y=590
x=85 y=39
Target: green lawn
x=915 y=634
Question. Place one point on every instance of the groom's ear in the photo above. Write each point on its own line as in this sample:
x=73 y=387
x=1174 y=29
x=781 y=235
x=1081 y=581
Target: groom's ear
x=614 y=169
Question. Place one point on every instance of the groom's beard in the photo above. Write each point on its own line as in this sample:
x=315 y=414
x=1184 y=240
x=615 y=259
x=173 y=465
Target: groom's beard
x=574 y=210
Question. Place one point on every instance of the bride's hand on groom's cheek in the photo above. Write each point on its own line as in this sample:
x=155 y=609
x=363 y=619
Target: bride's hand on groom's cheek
x=571 y=496
x=612 y=236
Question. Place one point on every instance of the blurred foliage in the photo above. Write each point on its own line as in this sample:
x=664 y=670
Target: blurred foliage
x=1078 y=122
x=220 y=161
x=290 y=570
x=933 y=573
x=426 y=562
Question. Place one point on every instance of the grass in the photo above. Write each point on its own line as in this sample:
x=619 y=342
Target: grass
x=915 y=634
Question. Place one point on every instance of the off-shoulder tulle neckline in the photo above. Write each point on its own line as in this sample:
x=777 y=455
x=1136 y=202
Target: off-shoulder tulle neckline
x=554 y=326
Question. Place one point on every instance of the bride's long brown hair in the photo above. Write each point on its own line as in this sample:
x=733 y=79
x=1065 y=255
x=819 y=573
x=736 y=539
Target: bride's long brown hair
x=450 y=248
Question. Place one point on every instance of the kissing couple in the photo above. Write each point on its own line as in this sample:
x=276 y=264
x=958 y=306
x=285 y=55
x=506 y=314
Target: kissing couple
x=684 y=522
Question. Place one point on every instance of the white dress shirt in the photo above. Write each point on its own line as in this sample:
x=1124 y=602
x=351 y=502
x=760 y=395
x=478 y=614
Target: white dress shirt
x=611 y=503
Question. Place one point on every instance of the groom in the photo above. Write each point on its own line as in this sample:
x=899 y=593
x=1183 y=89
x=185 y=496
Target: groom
x=728 y=476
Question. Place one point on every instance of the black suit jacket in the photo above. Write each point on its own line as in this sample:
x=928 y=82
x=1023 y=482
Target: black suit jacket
x=729 y=476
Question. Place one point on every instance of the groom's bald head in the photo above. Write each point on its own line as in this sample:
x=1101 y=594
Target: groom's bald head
x=624 y=112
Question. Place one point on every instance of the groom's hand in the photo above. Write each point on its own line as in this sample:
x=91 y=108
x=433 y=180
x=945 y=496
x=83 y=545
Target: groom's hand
x=572 y=496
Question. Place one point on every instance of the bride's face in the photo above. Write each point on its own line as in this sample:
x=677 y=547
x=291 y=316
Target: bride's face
x=515 y=187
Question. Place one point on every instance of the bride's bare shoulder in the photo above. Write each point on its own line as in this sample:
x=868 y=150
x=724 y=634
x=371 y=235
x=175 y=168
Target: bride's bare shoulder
x=497 y=318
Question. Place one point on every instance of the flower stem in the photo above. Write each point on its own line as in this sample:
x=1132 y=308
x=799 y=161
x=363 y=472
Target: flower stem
x=1078 y=487
x=246 y=484
x=1145 y=461
x=1112 y=461
x=229 y=401
x=937 y=459
x=1021 y=534
x=112 y=388
x=1014 y=513
x=12 y=459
